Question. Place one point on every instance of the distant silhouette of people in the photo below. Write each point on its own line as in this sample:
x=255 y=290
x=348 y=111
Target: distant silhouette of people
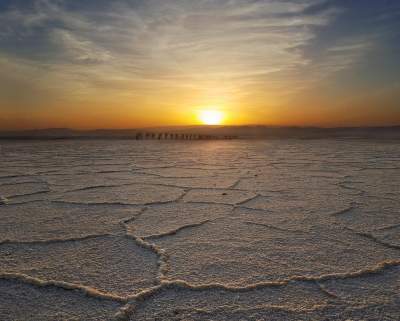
x=176 y=136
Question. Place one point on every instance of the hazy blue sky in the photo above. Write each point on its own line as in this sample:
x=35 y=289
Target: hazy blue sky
x=99 y=63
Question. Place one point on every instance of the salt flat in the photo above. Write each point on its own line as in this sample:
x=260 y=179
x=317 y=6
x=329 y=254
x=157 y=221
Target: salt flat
x=200 y=230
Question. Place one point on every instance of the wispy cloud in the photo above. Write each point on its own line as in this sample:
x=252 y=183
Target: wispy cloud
x=170 y=41
x=78 y=50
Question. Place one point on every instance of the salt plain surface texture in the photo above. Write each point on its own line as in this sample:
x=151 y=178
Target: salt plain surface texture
x=203 y=230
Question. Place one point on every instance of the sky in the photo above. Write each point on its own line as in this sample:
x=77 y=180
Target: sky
x=144 y=63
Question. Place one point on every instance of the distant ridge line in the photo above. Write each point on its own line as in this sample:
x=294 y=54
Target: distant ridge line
x=208 y=132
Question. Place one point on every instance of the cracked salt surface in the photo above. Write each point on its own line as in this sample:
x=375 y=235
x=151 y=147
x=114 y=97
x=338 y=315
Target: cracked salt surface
x=30 y=302
x=46 y=221
x=109 y=264
x=126 y=194
x=218 y=230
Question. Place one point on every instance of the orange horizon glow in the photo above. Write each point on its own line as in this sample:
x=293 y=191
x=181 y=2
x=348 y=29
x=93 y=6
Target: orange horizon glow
x=191 y=118
x=184 y=108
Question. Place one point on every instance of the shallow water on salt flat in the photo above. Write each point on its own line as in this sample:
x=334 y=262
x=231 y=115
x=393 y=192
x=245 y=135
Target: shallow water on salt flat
x=202 y=230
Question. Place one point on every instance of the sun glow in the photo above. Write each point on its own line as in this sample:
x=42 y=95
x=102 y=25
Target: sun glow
x=211 y=117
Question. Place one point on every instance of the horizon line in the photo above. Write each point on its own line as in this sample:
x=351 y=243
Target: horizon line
x=202 y=126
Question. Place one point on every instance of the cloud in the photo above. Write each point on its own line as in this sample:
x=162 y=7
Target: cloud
x=225 y=48
x=77 y=50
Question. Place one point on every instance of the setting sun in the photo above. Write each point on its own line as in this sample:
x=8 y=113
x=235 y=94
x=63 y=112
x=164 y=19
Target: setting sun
x=211 y=117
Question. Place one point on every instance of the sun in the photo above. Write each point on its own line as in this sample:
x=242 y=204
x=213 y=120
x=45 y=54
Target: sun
x=211 y=117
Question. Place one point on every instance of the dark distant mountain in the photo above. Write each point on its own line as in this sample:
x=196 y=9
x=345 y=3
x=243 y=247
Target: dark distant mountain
x=301 y=132
x=60 y=133
x=208 y=132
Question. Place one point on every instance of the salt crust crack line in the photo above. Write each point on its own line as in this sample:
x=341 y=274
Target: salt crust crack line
x=175 y=231
x=248 y=199
x=373 y=238
x=128 y=310
x=274 y=227
x=119 y=185
x=111 y=203
x=26 y=202
x=327 y=292
x=344 y=185
x=235 y=205
x=344 y=211
x=256 y=308
x=22 y=183
x=234 y=185
x=162 y=261
x=387 y=228
x=27 y=194
x=86 y=290
x=55 y=241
